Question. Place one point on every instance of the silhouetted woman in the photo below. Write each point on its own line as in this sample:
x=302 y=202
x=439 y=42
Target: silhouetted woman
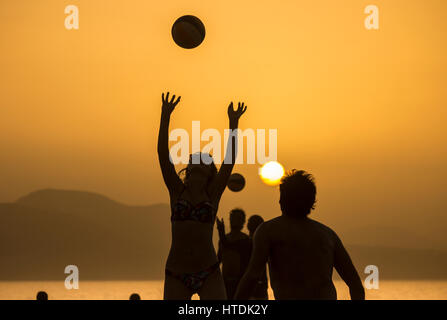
x=192 y=265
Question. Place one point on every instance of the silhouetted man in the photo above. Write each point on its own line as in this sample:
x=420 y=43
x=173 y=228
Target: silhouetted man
x=234 y=251
x=301 y=252
x=260 y=288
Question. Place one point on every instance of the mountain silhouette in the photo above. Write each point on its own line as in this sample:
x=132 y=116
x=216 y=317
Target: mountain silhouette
x=44 y=231
x=68 y=200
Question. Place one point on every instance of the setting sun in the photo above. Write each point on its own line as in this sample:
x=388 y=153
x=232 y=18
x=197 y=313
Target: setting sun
x=271 y=173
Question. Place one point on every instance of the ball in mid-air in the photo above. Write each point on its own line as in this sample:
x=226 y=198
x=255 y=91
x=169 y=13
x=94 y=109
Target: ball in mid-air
x=188 y=32
x=236 y=182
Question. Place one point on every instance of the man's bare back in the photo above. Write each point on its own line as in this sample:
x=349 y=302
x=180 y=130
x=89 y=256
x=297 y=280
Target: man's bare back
x=301 y=252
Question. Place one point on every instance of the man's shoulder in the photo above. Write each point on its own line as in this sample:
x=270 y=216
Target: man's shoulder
x=323 y=227
x=273 y=221
x=271 y=226
x=240 y=236
x=280 y=221
x=265 y=229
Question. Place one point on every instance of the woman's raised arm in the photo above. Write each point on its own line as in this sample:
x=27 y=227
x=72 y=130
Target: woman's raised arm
x=170 y=177
x=230 y=158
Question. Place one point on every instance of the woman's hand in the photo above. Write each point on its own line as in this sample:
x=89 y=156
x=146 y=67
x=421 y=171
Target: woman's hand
x=170 y=176
x=168 y=106
x=234 y=115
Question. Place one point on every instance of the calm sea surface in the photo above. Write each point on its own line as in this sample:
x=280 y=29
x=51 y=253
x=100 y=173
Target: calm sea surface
x=112 y=290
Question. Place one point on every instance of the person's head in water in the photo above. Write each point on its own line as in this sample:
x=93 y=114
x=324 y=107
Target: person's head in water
x=42 y=295
x=297 y=194
x=237 y=219
x=134 y=296
x=200 y=171
x=253 y=223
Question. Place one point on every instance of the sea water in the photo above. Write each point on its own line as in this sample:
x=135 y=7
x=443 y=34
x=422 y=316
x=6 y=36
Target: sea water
x=153 y=290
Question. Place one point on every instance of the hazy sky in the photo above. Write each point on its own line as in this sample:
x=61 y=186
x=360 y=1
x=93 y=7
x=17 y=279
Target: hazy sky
x=364 y=111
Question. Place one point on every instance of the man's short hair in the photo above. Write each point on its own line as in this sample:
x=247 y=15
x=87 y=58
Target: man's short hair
x=297 y=193
x=237 y=219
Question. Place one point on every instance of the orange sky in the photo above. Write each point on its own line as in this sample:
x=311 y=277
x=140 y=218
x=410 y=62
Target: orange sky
x=364 y=111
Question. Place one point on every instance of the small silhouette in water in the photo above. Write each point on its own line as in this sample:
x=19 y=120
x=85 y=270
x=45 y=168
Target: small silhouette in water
x=192 y=265
x=260 y=289
x=234 y=251
x=134 y=296
x=42 y=295
x=301 y=252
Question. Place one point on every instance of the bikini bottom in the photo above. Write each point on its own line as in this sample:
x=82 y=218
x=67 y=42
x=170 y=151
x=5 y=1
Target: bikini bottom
x=194 y=281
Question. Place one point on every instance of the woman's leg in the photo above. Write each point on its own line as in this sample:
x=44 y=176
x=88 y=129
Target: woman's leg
x=231 y=286
x=174 y=289
x=213 y=288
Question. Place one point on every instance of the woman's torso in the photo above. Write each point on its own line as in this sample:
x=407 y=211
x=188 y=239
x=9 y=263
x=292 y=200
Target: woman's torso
x=192 y=224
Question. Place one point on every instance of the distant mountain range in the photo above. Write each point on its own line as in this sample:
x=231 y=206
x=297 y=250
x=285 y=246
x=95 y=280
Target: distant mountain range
x=45 y=231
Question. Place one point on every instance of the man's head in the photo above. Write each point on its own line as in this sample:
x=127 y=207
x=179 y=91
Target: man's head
x=134 y=296
x=42 y=295
x=297 y=194
x=253 y=223
x=237 y=219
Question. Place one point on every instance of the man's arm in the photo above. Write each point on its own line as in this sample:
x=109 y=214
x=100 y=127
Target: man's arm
x=259 y=257
x=346 y=269
x=219 y=252
x=222 y=238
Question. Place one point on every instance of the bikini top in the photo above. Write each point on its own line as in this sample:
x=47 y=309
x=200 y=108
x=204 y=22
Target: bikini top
x=184 y=210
